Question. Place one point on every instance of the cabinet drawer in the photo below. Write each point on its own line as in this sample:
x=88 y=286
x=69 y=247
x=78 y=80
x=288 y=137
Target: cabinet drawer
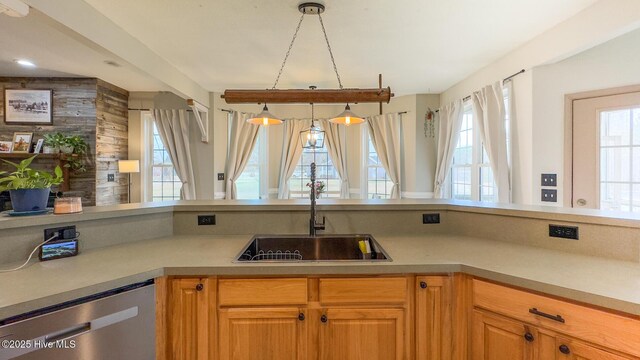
x=241 y=292
x=391 y=290
x=600 y=327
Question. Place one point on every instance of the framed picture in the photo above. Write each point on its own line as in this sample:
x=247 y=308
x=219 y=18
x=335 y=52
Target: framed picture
x=5 y=146
x=38 y=146
x=22 y=106
x=22 y=142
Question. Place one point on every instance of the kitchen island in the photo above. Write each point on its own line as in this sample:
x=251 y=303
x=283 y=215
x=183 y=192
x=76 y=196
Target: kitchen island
x=507 y=245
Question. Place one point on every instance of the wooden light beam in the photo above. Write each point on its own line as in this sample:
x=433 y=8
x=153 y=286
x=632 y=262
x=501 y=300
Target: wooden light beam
x=316 y=96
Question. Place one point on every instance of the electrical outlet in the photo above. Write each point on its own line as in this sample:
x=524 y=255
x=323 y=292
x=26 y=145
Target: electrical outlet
x=65 y=232
x=111 y=177
x=549 y=180
x=206 y=219
x=431 y=218
x=565 y=232
x=549 y=195
x=220 y=176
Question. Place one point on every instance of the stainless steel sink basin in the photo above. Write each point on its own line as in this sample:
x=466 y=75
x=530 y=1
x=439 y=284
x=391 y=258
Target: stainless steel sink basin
x=287 y=248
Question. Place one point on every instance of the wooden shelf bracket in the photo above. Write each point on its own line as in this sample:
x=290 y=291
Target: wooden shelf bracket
x=201 y=114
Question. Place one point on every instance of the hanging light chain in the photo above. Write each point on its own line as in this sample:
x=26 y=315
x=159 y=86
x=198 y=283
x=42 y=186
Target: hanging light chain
x=335 y=68
x=293 y=40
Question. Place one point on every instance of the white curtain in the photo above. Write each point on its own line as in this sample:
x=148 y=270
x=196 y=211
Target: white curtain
x=242 y=139
x=173 y=127
x=489 y=113
x=335 y=141
x=385 y=132
x=291 y=152
x=450 y=121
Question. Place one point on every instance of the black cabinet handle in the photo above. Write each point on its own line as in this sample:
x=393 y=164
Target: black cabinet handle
x=564 y=349
x=323 y=318
x=199 y=287
x=529 y=337
x=423 y=284
x=557 y=318
x=301 y=316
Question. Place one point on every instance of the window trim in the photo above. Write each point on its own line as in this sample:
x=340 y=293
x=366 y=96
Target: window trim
x=147 y=141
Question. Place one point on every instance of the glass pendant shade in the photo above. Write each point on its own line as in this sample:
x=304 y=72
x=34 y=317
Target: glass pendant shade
x=264 y=118
x=347 y=117
x=312 y=138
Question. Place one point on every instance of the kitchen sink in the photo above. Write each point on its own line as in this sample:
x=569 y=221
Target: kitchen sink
x=303 y=248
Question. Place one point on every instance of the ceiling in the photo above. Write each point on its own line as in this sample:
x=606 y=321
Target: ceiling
x=59 y=52
x=420 y=46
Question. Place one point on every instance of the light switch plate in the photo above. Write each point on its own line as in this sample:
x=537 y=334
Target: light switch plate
x=549 y=195
x=549 y=180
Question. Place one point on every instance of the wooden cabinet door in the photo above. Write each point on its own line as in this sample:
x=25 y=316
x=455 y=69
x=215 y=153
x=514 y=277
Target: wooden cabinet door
x=263 y=334
x=189 y=319
x=567 y=349
x=497 y=338
x=433 y=318
x=362 y=334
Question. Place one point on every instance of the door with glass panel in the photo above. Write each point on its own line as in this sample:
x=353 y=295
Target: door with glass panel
x=606 y=152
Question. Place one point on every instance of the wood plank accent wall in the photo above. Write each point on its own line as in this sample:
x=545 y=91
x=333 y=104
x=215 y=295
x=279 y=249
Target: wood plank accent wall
x=81 y=106
x=112 y=129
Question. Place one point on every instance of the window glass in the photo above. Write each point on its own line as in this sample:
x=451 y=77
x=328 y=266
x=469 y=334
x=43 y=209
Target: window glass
x=325 y=172
x=620 y=159
x=165 y=184
x=378 y=184
x=461 y=170
x=471 y=177
x=248 y=184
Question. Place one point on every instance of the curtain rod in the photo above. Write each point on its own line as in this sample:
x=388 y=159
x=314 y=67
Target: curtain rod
x=508 y=78
x=130 y=109
x=230 y=111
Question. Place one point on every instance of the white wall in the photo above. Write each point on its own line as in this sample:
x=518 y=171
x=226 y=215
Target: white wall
x=613 y=64
x=534 y=149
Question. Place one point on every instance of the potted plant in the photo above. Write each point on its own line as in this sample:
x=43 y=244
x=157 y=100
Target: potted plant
x=319 y=188
x=79 y=147
x=52 y=143
x=29 y=188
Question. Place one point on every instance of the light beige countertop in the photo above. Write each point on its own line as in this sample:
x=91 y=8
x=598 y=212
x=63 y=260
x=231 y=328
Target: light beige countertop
x=591 y=216
x=604 y=282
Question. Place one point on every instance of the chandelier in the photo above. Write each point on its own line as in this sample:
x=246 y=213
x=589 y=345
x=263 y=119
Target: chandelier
x=311 y=95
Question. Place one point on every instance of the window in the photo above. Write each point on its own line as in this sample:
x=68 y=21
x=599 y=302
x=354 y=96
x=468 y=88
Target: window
x=163 y=183
x=471 y=177
x=325 y=172
x=620 y=159
x=252 y=183
x=377 y=184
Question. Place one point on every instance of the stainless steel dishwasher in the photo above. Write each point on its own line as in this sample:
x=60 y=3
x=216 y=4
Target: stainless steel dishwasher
x=116 y=324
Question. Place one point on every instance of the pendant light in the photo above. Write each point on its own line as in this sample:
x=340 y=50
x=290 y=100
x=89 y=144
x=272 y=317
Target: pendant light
x=347 y=117
x=313 y=137
x=341 y=95
x=265 y=118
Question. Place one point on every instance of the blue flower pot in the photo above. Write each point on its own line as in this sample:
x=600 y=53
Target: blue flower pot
x=29 y=199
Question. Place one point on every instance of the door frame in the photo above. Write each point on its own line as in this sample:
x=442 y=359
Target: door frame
x=567 y=184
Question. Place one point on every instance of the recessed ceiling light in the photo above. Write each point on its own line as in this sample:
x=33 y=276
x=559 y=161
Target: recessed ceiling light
x=25 y=63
